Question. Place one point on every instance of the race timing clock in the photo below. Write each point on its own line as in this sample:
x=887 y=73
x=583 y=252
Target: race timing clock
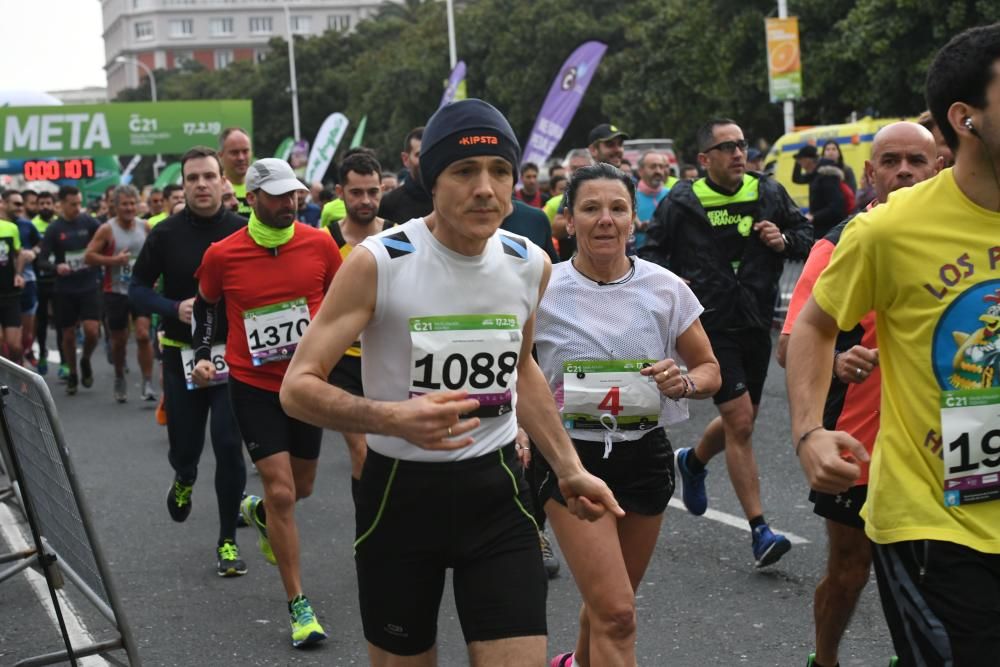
x=56 y=170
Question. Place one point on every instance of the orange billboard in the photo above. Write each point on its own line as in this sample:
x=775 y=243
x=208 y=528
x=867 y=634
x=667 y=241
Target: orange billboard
x=784 y=64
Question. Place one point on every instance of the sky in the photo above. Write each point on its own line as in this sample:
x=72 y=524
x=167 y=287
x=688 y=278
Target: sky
x=71 y=31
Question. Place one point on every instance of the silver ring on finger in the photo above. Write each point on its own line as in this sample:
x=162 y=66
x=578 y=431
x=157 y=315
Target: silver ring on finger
x=857 y=371
x=449 y=431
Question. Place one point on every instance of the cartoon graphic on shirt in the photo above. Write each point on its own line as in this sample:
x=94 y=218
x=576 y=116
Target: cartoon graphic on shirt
x=967 y=340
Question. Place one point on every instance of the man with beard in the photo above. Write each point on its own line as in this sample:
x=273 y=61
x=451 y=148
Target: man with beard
x=360 y=190
x=229 y=199
x=409 y=200
x=272 y=276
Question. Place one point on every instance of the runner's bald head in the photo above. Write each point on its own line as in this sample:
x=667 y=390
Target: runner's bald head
x=903 y=154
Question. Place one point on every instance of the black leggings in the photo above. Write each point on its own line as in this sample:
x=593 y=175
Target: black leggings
x=42 y=321
x=187 y=415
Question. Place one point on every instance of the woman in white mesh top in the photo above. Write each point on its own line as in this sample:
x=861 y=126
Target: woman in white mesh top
x=612 y=335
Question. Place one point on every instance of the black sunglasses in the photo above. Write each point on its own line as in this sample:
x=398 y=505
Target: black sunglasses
x=728 y=146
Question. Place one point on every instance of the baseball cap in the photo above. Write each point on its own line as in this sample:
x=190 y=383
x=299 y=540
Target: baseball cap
x=604 y=132
x=273 y=176
x=754 y=154
x=807 y=151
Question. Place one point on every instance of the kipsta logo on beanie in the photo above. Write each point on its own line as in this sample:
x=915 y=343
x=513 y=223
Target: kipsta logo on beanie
x=479 y=140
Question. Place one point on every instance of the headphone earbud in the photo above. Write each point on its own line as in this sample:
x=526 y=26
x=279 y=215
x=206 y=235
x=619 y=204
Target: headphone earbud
x=968 y=124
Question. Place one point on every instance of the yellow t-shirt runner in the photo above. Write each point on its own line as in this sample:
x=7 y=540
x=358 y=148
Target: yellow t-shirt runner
x=928 y=264
x=240 y=190
x=333 y=211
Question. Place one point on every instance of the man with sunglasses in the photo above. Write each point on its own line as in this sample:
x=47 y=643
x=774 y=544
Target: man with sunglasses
x=728 y=234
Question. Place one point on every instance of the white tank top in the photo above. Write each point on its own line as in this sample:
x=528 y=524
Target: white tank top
x=592 y=340
x=118 y=278
x=444 y=321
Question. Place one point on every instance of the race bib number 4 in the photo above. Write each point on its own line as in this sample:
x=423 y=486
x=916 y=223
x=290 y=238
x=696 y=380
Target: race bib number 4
x=477 y=353
x=218 y=358
x=273 y=332
x=598 y=392
x=970 y=424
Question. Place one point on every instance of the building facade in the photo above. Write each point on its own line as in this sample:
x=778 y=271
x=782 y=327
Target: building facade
x=162 y=34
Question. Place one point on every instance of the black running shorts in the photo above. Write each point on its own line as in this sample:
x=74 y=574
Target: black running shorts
x=843 y=508
x=118 y=309
x=639 y=473
x=415 y=520
x=265 y=427
x=347 y=375
x=941 y=602
x=10 y=311
x=744 y=356
x=73 y=307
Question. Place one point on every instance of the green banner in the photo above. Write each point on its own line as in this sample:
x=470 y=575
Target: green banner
x=118 y=128
x=359 y=134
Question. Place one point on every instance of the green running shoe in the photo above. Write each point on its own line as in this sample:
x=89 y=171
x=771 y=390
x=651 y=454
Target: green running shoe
x=179 y=500
x=230 y=564
x=249 y=510
x=305 y=628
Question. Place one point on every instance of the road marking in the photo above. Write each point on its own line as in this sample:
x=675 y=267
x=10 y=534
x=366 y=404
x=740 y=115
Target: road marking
x=78 y=633
x=735 y=521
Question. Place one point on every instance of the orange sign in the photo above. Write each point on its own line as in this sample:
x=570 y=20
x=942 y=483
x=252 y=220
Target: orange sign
x=784 y=65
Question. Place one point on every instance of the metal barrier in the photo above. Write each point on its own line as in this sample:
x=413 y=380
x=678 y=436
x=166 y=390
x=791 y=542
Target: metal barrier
x=786 y=285
x=38 y=462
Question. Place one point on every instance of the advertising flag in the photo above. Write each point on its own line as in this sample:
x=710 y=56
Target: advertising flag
x=455 y=88
x=562 y=101
x=359 y=134
x=784 y=66
x=327 y=139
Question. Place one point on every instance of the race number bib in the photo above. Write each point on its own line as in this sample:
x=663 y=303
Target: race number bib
x=593 y=390
x=74 y=258
x=970 y=425
x=218 y=358
x=477 y=353
x=125 y=274
x=273 y=332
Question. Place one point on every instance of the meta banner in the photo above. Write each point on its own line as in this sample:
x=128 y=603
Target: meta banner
x=118 y=128
x=562 y=101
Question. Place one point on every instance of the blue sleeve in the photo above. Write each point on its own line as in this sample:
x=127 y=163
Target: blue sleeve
x=149 y=300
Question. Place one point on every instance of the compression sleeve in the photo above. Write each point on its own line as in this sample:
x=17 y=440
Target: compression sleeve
x=205 y=317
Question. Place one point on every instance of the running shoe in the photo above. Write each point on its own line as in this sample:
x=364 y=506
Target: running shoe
x=305 y=628
x=241 y=521
x=549 y=559
x=71 y=384
x=768 y=547
x=811 y=660
x=249 y=510
x=161 y=412
x=562 y=660
x=230 y=564
x=121 y=390
x=147 y=391
x=86 y=373
x=63 y=372
x=179 y=500
x=43 y=366
x=893 y=661
x=692 y=485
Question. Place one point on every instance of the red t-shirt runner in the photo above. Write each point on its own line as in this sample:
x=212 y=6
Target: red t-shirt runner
x=267 y=292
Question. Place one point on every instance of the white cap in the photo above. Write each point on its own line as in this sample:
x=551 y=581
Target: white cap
x=273 y=176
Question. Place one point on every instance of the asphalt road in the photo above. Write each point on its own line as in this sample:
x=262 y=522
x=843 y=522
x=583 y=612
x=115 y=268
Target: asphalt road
x=701 y=603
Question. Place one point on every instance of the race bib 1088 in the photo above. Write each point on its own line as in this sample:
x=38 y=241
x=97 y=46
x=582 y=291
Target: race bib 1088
x=477 y=353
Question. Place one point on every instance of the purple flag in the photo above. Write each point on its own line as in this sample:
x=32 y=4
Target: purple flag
x=454 y=81
x=563 y=100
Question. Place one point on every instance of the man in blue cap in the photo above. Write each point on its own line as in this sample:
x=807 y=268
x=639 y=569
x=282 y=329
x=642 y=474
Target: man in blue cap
x=450 y=298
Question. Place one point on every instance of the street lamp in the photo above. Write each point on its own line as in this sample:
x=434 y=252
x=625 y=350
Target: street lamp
x=159 y=163
x=291 y=74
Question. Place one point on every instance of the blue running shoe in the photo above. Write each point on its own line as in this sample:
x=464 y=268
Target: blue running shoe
x=63 y=371
x=692 y=485
x=768 y=547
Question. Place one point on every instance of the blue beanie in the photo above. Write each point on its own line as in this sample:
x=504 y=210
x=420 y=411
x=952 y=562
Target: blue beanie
x=463 y=129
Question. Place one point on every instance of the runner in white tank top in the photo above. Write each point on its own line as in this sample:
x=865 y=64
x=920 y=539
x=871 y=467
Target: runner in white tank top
x=445 y=309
